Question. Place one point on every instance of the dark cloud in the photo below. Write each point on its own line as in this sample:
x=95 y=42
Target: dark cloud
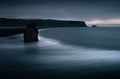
x=60 y=9
x=81 y=2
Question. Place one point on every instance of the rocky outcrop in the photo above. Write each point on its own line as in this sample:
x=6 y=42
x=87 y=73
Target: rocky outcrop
x=94 y=26
x=10 y=31
x=10 y=27
x=41 y=23
x=31 y=33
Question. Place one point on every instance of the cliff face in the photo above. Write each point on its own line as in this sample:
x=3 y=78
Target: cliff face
x=40 y=23
x=60 y=23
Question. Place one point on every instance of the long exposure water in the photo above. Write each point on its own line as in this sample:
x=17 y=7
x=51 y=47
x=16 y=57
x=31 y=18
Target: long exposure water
x=62 y=53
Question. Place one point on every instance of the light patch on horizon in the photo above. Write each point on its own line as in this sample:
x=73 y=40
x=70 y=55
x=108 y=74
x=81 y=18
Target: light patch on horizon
x=104 y=21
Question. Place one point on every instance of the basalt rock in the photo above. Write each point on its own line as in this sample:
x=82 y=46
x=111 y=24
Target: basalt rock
x=94 y=26
x=31 y=33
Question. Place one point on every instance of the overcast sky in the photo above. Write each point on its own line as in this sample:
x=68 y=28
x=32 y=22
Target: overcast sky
x=93 y=11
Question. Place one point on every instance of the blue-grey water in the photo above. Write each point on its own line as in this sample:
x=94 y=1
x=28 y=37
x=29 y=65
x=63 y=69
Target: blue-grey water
x=62 y=53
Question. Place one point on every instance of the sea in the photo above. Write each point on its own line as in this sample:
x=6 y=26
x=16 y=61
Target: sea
x=62 y=53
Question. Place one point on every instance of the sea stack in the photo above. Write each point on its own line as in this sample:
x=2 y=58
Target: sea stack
x=31 y=33
x=94 y=26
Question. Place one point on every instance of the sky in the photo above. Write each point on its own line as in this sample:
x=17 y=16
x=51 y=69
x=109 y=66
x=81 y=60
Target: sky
x=91 y=11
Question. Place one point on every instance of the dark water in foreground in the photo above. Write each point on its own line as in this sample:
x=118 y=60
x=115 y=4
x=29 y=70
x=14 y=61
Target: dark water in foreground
x=62 y=53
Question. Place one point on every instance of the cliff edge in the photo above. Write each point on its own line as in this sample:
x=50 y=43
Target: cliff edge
x=40 y=23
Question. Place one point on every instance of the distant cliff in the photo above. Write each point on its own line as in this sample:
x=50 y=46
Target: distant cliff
x=41 y=23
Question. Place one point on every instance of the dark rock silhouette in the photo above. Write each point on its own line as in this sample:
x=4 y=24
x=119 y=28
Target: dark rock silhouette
x=31 y=33
x=10 y=31
x=41 y=23
x=94 y=26
x=9 y=26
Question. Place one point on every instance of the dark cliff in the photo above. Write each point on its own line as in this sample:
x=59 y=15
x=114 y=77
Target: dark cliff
x=41 y=23
x=20 y=25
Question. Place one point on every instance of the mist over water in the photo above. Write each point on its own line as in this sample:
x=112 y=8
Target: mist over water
x=62 y=53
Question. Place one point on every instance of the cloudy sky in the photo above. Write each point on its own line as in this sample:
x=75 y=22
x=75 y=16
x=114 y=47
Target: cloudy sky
x=92 y=11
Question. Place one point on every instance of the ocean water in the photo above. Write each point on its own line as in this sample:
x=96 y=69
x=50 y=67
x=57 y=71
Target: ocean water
x=62 y=53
